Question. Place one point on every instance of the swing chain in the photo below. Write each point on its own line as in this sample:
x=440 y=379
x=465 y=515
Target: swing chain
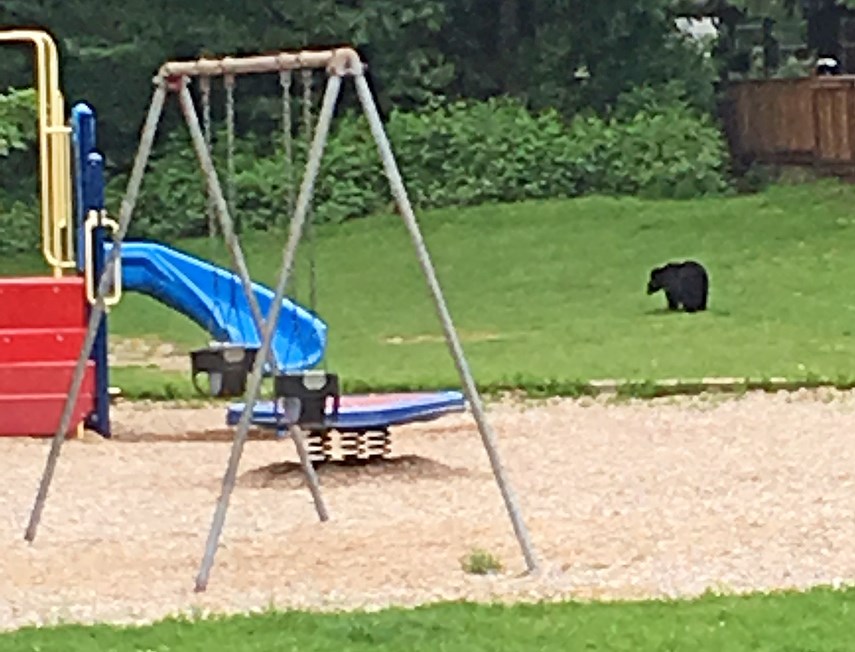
x=229 y=83
x=205 y=89
x=310 y=241
x=285 y=78
x=285 y=83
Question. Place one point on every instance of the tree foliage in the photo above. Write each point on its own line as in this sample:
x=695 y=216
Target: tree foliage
x=570 y=55
x=485 y=100
x=418 y=52
x=755 y=7
x=17 y=120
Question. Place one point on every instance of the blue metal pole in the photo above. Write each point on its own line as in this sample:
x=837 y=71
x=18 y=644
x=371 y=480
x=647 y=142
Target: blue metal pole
x=89 y=186
x=83 y=139
x=94 y=184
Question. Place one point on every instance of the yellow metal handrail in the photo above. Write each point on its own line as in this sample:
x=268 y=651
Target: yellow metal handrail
x=54 y=152
x=93 y=219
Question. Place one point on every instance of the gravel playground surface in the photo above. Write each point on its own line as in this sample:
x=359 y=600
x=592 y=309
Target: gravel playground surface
x=633 y=499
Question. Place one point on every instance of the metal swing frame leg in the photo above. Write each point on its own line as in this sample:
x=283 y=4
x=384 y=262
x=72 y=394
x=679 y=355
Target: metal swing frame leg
x=97 y=310
x=221 y=207
x=310 y=473
x=227 y=227
x=488 y=436
x=253 y=385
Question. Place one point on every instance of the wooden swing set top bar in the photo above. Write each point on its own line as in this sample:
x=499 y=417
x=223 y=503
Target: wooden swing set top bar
x=339 y=61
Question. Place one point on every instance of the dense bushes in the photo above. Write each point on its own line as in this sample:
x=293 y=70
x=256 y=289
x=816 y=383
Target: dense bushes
x=17 y=120
x=20 y=226
x=651 y=144
x=19 y=213
x=458 y=154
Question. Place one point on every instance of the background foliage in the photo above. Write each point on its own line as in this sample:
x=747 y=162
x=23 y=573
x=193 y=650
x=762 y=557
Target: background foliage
x=485 y=100
x=462 y=153
x=447 y=49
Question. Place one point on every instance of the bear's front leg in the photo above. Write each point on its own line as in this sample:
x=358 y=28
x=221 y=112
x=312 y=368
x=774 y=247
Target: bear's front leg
x=673 y=304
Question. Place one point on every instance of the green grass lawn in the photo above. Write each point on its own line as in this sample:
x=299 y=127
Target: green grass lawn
x=549 y=291
x=817 y=621
x=554 y=291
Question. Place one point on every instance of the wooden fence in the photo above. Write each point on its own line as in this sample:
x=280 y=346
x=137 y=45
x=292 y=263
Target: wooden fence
x=808 y=121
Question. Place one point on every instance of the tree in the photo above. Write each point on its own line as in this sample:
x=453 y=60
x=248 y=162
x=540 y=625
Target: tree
x=570 y=55
x=108 y=55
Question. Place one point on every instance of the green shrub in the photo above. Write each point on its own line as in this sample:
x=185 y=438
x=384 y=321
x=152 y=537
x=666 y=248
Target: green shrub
x=351 y=182
x=17 y=120
x=653 y=144
x=476 y=152
x=172 y=200
x=691 y=159
x=20 y=226
x=669 y=154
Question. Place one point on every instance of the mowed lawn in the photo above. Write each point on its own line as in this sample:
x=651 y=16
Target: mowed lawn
x=555 y=290
x=816 y=621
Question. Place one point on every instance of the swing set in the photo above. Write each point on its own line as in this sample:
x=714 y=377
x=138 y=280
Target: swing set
x=305 y=400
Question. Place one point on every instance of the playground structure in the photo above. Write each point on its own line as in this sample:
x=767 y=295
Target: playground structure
x=42 y=336
x=43 y=318
x=305 y=399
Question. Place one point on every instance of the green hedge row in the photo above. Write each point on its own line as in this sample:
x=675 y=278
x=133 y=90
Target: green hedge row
x=451 y=155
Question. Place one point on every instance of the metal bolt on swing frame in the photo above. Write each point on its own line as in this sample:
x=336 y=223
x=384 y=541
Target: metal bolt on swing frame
x=339 y=63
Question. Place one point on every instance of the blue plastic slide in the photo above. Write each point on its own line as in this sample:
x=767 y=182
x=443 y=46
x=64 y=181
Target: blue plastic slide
x=214 y=298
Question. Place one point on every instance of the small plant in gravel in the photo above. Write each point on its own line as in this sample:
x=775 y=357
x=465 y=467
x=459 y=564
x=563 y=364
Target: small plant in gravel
x=481 y=562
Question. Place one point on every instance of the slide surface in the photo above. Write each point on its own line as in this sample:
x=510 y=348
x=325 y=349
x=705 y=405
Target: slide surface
x=214 y=298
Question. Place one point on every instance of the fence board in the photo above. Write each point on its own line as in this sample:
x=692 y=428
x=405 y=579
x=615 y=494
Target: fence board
x=796 y=121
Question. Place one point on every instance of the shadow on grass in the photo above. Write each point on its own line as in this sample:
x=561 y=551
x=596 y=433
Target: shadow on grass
x=661 y=312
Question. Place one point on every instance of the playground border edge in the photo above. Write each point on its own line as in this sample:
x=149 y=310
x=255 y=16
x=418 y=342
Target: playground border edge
x=549 y=388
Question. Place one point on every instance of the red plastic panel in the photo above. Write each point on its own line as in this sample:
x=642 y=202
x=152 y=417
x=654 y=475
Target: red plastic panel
x=42 y=378
x=38 y=416
x=42 y=327
x=42 y=345
x=42 y=302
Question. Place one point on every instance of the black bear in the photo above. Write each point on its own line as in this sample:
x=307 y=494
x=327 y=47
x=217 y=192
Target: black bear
x=685 y=284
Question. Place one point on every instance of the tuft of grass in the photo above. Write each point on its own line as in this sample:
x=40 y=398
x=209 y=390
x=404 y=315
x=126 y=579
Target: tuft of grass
x=481 y=562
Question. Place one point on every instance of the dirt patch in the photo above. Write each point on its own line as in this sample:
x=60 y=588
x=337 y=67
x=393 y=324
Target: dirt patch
x=406 y=468
x=439 y=338
x=150 y=421
x=625 y=500
x=138 y=352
